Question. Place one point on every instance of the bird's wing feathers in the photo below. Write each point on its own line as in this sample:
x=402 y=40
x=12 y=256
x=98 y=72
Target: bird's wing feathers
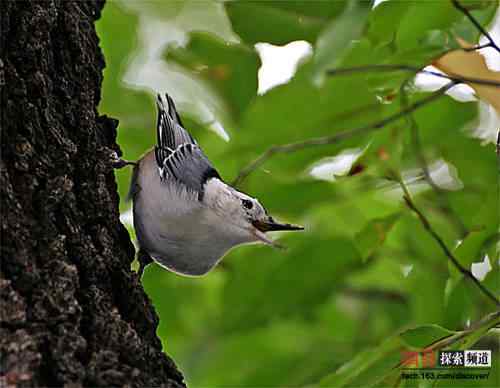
x=177 y=154
x=189 y=166
x=172 y=111
x=169 y=131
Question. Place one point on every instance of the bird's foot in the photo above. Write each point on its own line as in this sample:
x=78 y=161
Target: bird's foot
x=118 y=162
x=144 y=260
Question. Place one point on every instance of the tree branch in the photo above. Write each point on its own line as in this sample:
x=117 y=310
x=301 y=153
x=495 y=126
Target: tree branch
x=484 y=325
x=480 y=28
x=478 y=47
x=374 y=294
x=347 y=134
x=498 y=146
x=443 y=203
x=413 y=69
x=427 y=226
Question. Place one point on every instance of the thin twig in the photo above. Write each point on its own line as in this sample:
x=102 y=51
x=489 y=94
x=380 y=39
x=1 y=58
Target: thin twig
x=347 y=134
x=478 y=47
x=498 y=144
x=450 y=341
x=416 y=140
x=454 y=80
x=414 y=130
x=480 y=28
x=498 y=174
x=486 y=323
x=413 y=69
x=375 y=294
x=427 y=226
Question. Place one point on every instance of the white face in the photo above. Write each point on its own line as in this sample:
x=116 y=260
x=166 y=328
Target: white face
x=241 y=218
x=238 y=210
x=249 y=214
x=250 y=208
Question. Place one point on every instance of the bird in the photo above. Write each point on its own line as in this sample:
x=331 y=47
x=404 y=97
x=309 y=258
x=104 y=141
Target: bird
x=186 y=218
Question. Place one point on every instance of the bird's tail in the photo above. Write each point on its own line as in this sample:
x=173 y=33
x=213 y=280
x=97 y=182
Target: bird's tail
x=170 y=108
x=170 y=132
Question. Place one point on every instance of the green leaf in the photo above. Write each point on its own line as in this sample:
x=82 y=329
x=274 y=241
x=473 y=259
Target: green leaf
x=469 y=250
x=338 y=36
x=251 y=358
x=421 y=337
x=373 y=235
x=382 y=364
x=286 y=114
x=196 y=305
x=427 y=302
x=133 y=108
x=461 y=302
x=384 y=21
x=268 y=293
x=367 y=366
x=416 y=33
x=230 y=68
x=483 y=11
x=422 y=18
x=468 y=339
x=281 y=22
x=167 y=10
x=492 y=280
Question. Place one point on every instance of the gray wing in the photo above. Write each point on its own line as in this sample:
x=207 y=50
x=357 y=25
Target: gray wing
x=169 y=130
x=189 y=166
x=177 y=154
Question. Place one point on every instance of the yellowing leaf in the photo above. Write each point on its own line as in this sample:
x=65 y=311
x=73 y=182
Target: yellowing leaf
x=473 y=65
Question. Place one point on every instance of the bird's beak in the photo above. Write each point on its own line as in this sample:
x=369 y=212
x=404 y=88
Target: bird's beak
x=262 y=226
x=270 y=225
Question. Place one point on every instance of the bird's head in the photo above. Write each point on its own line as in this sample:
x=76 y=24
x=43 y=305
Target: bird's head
x=246 y=217
x=259 y=222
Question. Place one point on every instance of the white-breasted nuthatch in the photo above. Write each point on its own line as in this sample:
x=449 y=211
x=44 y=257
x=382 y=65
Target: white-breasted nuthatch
x=185 y=217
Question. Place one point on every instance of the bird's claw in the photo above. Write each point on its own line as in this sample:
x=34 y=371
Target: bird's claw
x=118 y=162
x=144 y=260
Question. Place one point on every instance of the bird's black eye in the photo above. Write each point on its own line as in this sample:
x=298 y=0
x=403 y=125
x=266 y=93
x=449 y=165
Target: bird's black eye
x=247 y=203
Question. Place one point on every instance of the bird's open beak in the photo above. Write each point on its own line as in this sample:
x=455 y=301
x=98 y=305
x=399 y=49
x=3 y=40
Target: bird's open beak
x=270 y=225
x=262 y=226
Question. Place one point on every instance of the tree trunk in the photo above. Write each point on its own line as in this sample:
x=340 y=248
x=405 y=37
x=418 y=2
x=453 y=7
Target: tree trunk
x=72 y=312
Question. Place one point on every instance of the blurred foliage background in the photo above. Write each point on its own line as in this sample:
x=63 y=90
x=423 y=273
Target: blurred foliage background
x=365 y=280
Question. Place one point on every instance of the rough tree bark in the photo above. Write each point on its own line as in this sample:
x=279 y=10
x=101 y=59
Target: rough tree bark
x=71 y=311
